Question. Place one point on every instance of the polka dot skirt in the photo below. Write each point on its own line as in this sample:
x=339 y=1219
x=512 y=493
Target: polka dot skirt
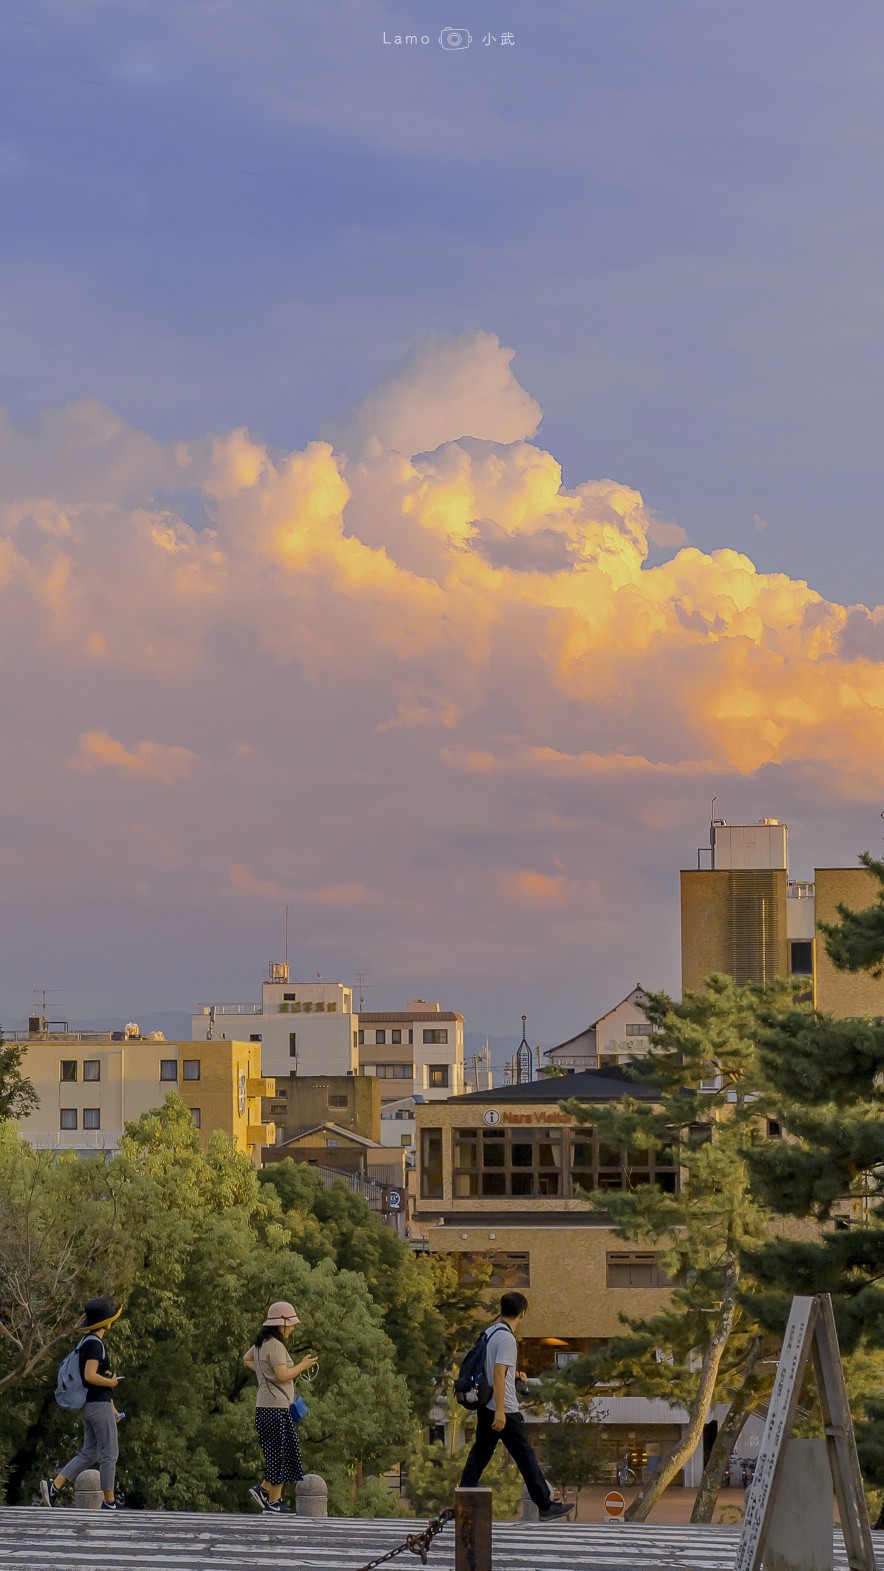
x=278 y=1435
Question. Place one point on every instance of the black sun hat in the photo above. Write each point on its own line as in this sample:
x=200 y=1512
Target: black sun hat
x=98 y=1313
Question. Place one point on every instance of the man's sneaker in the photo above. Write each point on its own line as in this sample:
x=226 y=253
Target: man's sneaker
x=258 y=1497
x=109 y=1505
x=554 y=1510
x=276 y=1506
x=48 y=1492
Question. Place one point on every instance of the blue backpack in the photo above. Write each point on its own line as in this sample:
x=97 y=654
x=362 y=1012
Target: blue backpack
x=70 y=1392
x=472 y=1388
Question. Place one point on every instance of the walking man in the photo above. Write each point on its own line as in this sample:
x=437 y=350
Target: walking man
x=501 y=1418
x=100 y=1416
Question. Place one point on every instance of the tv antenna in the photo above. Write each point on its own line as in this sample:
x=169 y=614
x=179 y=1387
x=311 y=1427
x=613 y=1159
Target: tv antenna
x=43 y=993
x=362 y=984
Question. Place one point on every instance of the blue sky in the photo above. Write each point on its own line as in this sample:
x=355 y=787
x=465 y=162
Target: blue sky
x=219 y=215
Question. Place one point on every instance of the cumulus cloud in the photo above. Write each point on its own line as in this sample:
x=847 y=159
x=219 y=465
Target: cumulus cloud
x=148 y=760
x=404 y=674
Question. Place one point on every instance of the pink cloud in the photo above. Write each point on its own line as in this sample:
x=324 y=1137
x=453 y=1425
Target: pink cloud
x=147 y=760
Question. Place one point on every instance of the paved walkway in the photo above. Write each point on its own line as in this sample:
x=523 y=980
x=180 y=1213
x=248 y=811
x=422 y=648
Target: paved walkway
x=69 y=1540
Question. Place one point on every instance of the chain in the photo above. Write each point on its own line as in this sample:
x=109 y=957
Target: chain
x=417 y=1543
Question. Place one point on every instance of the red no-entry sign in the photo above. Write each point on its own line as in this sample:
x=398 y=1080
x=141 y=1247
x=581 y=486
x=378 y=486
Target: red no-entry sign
x=615 y=1503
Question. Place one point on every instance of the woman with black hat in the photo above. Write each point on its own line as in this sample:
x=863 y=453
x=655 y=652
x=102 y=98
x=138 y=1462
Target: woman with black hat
x=277 y=1430
x=100 y=1417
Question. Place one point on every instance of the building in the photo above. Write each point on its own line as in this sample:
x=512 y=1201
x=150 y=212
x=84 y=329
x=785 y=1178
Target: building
x=497 y=1181
x=744 y=916
x=90 y=1086
x=415 y=1051
x=306 y=1028
x=398 y=1121
x=620 y=1034
x=302 y=1101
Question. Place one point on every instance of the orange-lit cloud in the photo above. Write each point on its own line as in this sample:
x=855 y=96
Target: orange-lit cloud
x=423 y=664
x=148 y=760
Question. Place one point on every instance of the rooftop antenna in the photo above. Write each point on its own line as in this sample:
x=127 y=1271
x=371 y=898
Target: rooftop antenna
x=43 y=993
x=712 y=833
x=524 y=1059
x=361 y=983
x=286 y=955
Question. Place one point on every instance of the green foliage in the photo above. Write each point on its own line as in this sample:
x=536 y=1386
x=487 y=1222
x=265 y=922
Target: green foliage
x=573 y=1453
x=210 y=1248
x=434 y=1472
x=375 y=1499
x=856 y=943
x=706 y=1103
x=17 y=1096
x=337 y=1225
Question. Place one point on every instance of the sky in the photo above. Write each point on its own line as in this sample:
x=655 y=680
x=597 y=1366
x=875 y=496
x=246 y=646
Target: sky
x=428 y=476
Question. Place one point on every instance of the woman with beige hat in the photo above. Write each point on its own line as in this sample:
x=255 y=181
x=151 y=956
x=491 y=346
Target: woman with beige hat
x=277 y=1430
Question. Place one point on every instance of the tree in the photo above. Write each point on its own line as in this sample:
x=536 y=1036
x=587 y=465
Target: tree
x=704 y=1109
x=828 y=1077
x=17 y=1096
x=58 y=1238
x=337 y=1225
x=211 y=1248
x=573 y=1452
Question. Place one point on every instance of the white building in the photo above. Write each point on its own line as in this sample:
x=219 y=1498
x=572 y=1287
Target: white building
x=620 y=1034
x=308 y=1027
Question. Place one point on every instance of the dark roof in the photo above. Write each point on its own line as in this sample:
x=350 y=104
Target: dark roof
x=406 y=1016
x=589 y=1085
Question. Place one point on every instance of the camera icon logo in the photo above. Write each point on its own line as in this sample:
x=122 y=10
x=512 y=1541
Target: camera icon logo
x=455 y=38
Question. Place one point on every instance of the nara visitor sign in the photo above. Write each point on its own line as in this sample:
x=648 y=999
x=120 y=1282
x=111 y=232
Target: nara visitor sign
x=810 y=1334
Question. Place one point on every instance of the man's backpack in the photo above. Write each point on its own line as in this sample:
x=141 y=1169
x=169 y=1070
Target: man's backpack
x=472 y=1388
x=70 y=1392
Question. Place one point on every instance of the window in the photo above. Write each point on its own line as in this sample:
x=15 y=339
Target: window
x=361 y=1039
x=331 y=1142
x=91 y=1068
x=68 y=1118
x=290 y=998
x=68 y=1069
x=394 y=1071
x=293 y=1044
x=638 y=1030
x=435 y=1037
x=518 y=1162
x=191 y=1069
x=196 y=1114
x=774 y=1129
x=802 y=957
x=536 y=1162
x=635 y=1268
x=337 y=1101
x=91 y=1117
x=380 y=1038
x=410 y=1037
x=396 y=1038
x=431 y=1164
x=168 y=1069
x=512 y=1269
x=437 y=1076
x=256 y=1037
x=405 y=1140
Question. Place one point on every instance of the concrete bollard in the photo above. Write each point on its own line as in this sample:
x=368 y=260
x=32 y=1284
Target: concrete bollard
x=530 y=1512
x=87 y=1490
x=311 y=1496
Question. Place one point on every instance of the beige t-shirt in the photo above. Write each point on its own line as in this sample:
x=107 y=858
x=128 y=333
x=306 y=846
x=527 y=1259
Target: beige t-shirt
x=271 y=1392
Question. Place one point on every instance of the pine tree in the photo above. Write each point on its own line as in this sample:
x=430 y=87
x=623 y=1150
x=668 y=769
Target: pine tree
x=827 y=1076
x=704 y=1106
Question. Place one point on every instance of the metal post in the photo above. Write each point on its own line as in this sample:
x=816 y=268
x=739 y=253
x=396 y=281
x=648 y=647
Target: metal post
x=472 y=1528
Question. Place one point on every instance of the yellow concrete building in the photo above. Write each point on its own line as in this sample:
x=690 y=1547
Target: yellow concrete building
x=90 y=1086
x=844 y=993
x=497 y=1179
x=744 y=916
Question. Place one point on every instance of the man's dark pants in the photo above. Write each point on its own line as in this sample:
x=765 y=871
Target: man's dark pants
x=522 y=1452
